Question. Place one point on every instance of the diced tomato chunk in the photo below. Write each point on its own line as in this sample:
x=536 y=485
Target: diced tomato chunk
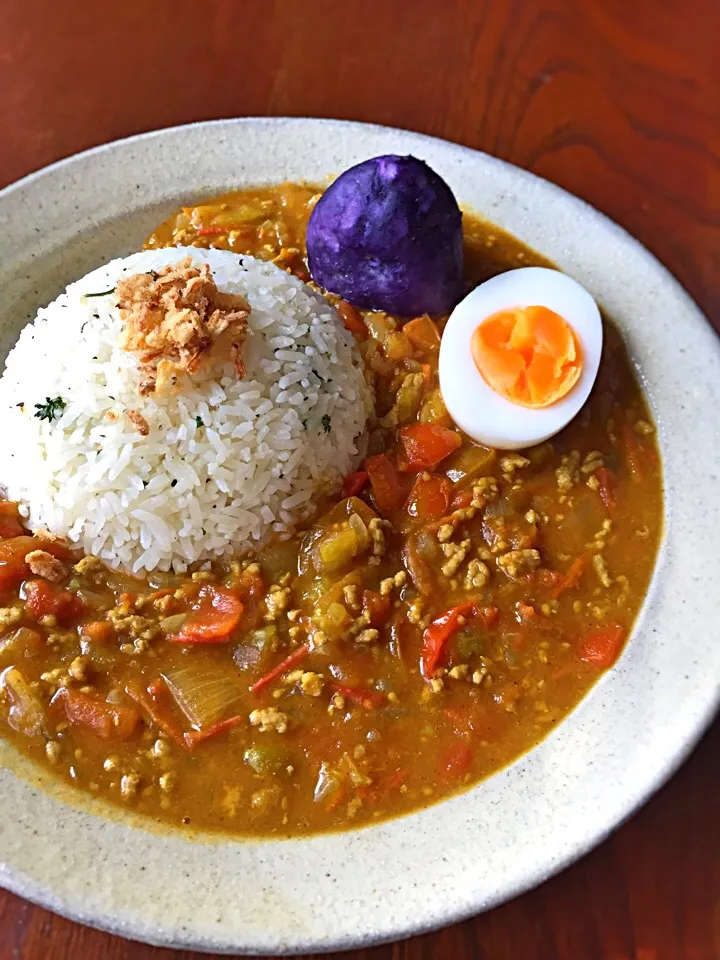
x=387 y=488
x=429 y=497
x=251 y=591
x=544 y=577
x=423 y=334
x=10 y=525
x=43 y=600
x=525 y=611
x=216 y=613
x=395 y=780
x=573 y=576
x=600 y=646
x=376 y=607
x=97 y=631
x=156 y=711
x=13 y=567
x=461 y=500
x=109 y=721
x=353 y=483
x=424 y=445
x=456 y=761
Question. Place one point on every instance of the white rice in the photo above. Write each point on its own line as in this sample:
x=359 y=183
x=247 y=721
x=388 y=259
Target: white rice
x=185 y=493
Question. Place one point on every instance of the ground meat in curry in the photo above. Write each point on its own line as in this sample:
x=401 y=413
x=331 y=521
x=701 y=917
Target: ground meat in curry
x=429 y=627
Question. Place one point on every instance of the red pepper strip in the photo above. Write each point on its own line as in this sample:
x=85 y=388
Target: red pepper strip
x=573 y=576
x=194 y=737
x=295 y=657
x=438 y=633
x=370 y=699
x=353 y=483
x=154 y=711
x=606 y=488
x=212 y=231
x=10 y=527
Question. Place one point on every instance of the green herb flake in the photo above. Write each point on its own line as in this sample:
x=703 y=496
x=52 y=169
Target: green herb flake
x=198 y=422
x=51 y=407
x=101 y=293
x=326 y=422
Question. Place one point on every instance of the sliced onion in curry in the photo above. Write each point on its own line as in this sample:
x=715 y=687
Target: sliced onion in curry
x=206 y=690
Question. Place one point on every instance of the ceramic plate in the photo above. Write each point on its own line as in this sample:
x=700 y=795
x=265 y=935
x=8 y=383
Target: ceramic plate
x=518 y=827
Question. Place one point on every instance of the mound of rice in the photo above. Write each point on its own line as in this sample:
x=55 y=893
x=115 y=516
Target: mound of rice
x=226 y=463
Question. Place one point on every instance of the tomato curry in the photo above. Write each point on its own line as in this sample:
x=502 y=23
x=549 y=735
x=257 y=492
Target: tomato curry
x=442 y=613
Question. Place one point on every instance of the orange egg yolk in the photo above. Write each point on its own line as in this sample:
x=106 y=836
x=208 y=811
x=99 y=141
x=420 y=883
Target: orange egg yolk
x=529 y=355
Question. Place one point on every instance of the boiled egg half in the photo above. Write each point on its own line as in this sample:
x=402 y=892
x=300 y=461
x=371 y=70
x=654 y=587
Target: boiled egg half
x=519 y=356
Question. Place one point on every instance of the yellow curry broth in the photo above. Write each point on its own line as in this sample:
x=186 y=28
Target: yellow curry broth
x=350 y=731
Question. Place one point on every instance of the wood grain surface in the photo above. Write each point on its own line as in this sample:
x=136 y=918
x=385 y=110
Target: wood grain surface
x=616 y=100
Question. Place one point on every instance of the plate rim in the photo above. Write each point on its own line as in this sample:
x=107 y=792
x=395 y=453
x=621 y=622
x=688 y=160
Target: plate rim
x=636 y=797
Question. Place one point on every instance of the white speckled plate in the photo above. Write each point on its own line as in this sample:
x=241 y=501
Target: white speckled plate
x=512 y=831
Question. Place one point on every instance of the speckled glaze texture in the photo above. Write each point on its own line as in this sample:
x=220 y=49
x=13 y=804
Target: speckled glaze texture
x=513 y=830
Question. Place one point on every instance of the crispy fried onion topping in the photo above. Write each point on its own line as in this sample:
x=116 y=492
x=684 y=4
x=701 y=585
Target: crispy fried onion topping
x=175 y=319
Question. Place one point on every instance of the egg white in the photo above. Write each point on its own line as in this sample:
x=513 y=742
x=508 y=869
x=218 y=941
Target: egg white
x=475 y=407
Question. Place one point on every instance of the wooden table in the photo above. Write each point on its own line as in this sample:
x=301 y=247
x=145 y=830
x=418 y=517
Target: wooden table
x=616 y=100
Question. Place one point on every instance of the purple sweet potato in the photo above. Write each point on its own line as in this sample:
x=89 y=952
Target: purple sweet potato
x=387 y=235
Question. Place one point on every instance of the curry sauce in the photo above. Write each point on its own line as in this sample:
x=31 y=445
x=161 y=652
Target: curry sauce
x=440 y=615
